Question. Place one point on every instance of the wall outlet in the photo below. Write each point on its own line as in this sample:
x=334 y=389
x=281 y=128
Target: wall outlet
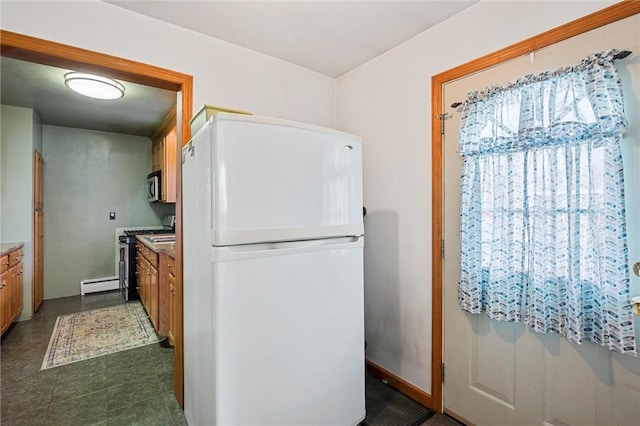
x=112 y=215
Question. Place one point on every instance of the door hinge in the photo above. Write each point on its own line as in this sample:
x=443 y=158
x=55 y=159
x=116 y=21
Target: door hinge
x=442 y=372
x=442 y=248
x=442 y=118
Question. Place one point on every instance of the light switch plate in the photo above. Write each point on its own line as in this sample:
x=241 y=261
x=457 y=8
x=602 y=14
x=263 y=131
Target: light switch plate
x=112 y=215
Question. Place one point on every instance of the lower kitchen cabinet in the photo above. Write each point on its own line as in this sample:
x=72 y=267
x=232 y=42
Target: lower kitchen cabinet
x=167 y=297
x=153 y=294
x=5 y=302
x=147 y=277
x=16 y=279
x=11 y=288
x=156 y=278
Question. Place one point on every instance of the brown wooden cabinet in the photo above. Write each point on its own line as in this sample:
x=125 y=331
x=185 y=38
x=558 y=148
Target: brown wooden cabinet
x=11 y=288
x=5 y=293
x=157 y=289
x=153 y=294
x=141 y=274
x=166 y=294
x=147 y=276
x=164 y=148
x=16 y=280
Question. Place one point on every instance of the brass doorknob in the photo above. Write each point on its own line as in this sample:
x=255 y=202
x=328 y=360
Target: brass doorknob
x=636 y=268
x=635 y=305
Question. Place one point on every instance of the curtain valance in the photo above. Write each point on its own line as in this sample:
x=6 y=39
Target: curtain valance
x=570 y=105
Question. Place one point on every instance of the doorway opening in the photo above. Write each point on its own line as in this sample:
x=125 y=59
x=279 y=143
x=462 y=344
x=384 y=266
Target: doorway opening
x=30 y=49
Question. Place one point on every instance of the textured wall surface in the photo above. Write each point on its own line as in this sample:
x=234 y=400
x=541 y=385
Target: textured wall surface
x=88 y=174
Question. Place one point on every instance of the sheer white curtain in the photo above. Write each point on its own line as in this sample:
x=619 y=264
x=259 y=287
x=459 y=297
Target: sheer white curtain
x=543 y=228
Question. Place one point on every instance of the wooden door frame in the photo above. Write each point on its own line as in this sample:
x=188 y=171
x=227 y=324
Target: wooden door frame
x=46 y=52
x=37 y=243
x=590 y=22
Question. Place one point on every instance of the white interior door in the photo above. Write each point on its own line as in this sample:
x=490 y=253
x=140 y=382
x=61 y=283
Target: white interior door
x=504 y=373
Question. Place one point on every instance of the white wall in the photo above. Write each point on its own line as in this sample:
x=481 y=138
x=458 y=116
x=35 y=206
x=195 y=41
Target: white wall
x=224 y=74
x=21 y=133
x=387 y=102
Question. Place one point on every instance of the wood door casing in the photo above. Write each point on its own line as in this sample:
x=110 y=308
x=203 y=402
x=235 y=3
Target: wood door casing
x=172 y=308
x=38 y=230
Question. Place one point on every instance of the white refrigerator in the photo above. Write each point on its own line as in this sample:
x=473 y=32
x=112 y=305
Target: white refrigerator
x=273 y=274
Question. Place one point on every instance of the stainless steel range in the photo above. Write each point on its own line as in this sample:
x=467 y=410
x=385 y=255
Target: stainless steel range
x=127 y=265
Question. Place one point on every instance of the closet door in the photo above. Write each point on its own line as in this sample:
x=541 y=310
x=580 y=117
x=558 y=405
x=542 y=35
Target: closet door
x=499 y=373
x=38 y=230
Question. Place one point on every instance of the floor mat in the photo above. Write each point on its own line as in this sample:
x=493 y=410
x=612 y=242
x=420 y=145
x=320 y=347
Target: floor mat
x=388 y=407
x=90 y=334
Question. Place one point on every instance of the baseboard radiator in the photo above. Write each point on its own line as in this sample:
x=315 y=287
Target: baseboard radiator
x=99 y=284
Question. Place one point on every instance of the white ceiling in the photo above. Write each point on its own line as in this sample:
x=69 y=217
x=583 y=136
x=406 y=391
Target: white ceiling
x=330 y=37
x=42 y=88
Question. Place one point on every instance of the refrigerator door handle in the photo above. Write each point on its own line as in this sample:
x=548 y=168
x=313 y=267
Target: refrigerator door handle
x=230 y=253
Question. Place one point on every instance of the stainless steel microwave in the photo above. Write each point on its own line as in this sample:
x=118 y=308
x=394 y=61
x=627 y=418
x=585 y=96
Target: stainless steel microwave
x=154 y=191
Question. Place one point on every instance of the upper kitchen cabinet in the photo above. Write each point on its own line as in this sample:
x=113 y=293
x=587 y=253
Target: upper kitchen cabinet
x=164 y=148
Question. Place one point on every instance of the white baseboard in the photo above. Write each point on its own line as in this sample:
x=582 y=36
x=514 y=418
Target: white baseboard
x=99 y=284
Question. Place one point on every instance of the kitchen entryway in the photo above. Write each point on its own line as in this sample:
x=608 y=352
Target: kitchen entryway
x=128 y=387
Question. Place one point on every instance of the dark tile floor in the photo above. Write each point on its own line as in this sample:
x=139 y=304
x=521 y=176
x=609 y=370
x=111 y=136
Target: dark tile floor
x=442 y=420
x=124 y=388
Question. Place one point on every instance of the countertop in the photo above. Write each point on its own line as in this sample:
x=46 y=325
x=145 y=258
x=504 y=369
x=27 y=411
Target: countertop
x=167 y=248
x=6 y=248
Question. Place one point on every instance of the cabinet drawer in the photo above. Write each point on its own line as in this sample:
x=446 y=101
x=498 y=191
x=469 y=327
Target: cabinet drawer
x=15 y=257
x=4 y=264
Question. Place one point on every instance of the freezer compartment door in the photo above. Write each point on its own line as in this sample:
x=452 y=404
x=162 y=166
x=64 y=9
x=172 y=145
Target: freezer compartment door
x=276 y=181
x=289 y=335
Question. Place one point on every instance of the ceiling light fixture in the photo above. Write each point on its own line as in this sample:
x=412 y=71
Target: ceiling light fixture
x=94 y=86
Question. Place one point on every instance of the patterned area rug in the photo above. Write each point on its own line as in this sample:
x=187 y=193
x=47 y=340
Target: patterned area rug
x=90 y=334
